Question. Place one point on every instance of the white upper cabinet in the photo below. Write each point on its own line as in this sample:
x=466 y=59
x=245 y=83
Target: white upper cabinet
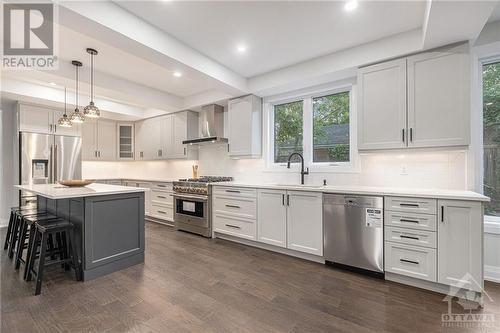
x=106 y=140
x=382 y=105
x=245 y=126
x=305 y=222
x=99 y=140
x=419 y=101
x=271 y=220
x=89 y=140
x=161 y=137
x=460 y=245
x=125 y=138
x=438 y=99
x=147 y=139
x=43 y=120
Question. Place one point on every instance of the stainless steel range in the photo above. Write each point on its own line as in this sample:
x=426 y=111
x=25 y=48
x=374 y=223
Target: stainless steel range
x=192 y=204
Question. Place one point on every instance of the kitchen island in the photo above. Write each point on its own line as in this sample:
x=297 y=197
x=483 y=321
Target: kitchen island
x=108 y=220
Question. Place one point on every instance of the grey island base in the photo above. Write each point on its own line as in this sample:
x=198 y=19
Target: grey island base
x=109 y=225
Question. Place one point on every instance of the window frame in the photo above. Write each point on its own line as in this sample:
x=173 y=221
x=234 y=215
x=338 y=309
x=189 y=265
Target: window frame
x=307 y=112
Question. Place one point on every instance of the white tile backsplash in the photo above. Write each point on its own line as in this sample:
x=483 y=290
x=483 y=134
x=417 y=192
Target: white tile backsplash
x=417 y=169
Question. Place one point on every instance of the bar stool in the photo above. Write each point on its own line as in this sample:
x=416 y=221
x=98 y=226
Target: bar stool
x=26 y=222
x=14 y=232
x=42 y=230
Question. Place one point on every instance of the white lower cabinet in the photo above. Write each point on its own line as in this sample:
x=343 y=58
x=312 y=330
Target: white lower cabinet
x=460 y=246
x=291 y=219
x=305 y=222
x=271 y=221
x=413 y=261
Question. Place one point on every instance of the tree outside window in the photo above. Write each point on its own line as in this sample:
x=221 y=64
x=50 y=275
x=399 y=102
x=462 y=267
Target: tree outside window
x=491 y=136
x=288 y=130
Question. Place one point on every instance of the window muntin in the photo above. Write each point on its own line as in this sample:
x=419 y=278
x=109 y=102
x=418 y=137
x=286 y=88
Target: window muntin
x=491 y=137
x=331 y=140
x=288 y=130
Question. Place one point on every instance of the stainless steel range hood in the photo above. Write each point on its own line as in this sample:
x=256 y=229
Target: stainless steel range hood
x=212 y=126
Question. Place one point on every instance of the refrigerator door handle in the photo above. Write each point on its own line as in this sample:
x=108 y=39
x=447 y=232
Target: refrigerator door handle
x=54 y=162
x=51 y=164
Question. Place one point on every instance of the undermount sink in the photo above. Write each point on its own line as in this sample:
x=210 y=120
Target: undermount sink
x=298 y=185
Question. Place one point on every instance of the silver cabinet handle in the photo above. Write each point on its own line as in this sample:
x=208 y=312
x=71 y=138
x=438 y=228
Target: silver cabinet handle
x=411 y=134
x=283 y=199
x=141 y=154
x=233 y=206
x=161 y=212
x=55 y=163
x=99 y=152
x=95 y=153
x=233 y=226
x=160 y=185
x=288 y=199
x=161 y=197
x=442 y=213
x=403 y=134
x=184 y=151
x=50 y=128
x=409 y=261
x=233 y=191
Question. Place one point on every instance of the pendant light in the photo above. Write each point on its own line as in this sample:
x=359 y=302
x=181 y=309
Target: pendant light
x=64 y=121
x=77 y=116
x=91 y=110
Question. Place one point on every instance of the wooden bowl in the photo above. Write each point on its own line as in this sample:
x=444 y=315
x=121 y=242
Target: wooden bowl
x=76 y=182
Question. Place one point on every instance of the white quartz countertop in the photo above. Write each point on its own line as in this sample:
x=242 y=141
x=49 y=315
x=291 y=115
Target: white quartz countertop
x=368 y=190
x=57 y=191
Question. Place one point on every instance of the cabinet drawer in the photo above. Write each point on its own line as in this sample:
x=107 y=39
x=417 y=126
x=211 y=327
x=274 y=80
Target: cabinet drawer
x=162 y=197
x=235 y=226
x=230 y=191
x=162 y=186
x=239 y=207
x=411 y=221
x=412 y=205
x=162 y=212
x=414 y=261
x=411 y=236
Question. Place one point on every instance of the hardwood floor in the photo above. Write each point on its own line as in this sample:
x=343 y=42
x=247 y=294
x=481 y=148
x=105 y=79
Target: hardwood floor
x=192 y=284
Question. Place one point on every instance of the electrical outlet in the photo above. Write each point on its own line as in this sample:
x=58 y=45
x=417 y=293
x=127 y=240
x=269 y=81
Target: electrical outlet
x=403 y=169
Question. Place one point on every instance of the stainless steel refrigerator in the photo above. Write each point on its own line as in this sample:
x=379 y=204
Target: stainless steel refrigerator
x=45 y=159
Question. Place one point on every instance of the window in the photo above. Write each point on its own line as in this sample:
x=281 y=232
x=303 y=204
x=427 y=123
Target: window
x=491 y=136
x=331 y=128
x=317 y=125
x=288 y=130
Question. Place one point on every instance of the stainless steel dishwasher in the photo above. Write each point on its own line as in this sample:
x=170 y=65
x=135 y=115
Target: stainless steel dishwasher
x=353 y=235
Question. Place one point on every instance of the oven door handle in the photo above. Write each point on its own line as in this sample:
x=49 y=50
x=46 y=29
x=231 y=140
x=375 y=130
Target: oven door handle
x=190 y=197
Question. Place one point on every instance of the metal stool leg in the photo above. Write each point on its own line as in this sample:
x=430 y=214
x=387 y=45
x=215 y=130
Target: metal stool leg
x=9 y=230
x=41 y=264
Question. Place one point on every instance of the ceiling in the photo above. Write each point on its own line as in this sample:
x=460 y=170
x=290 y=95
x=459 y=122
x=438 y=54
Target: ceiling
x=277 y=34
x=495 y=16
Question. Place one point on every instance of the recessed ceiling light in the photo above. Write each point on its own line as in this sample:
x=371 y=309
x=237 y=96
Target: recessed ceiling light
x=52 y=83
x=241 y=48
x=350 y=5
x=177 y=74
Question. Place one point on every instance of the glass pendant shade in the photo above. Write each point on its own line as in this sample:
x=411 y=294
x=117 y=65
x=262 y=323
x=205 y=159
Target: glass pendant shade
x=77 y=116
x=91 y=110
x=64 y=121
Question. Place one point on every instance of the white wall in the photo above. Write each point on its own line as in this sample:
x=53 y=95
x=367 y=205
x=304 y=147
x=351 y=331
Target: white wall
x=8 y=175
x=424 y=169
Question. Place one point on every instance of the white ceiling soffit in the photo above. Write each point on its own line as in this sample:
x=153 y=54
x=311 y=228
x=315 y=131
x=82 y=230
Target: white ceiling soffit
x=123 y=30
x=495 y=15
x=33 y=92
x=447 y=22
x=277 y=33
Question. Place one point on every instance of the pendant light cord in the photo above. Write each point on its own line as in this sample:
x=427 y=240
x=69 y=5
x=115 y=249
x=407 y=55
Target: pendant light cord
x=92 y=77
x=76 y=105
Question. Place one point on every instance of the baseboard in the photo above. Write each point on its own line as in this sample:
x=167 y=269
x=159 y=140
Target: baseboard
x=492 y=273
x=292 y=253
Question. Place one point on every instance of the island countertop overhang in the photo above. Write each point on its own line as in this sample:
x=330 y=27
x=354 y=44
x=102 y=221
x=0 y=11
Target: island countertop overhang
x=57 y=191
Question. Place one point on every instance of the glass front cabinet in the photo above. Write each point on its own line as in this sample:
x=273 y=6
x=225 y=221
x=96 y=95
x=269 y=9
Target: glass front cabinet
x=125 y=141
